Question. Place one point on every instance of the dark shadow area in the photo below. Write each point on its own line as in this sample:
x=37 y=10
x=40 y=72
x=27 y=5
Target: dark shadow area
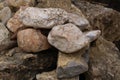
x=117 y=43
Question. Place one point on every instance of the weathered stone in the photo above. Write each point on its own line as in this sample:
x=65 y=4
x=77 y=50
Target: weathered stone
x=5 y=14
x=14 y=23
x=71 y=65
x=31 y=40
x=92 y=35
x=104 y=61
x=105 y=19
x=5 y=42
x=18 y=65
x=68 y=38
x=79 y=21
x=43 y=17
x=18 y=3
x=52 y=76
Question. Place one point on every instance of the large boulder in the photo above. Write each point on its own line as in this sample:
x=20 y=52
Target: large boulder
x=105 y=19
x=104 y=61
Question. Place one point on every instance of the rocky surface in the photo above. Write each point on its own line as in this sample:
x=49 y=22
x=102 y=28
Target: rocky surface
x=5 y=42
x=69 y=38
x=36 y=43
x=5 y=14
x=105 y=19
x=71 y=65
x=52 y=76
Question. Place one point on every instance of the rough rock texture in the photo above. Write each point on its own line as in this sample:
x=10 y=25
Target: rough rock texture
x=52 y=76
x=71 y=65
x=69 y=38
x=104 y=61
x=18 y=3
x=31 y=40
x=5 y=42
x=18 y=65
x=43 y=17
x=5 y=14
x=14 y=23
x=79 y=21
x=105 y=19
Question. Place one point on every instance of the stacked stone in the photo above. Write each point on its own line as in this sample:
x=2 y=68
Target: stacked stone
x=68 y=33
x=64 y=35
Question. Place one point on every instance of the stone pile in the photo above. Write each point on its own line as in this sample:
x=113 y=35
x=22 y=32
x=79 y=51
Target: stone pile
x=22 y=34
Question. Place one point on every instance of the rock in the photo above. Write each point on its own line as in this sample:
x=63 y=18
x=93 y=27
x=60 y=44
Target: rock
x=5 y=14
x=5 y=42
x=43 y=17
x=92 y=35
x=18 y=65
x=104 y=61
x=52 y=76
x=19 y=3
x=105 y=19
x=36 y=43
x=68 y=38
x=78 y=21
x=14 y=23
x=71 y=65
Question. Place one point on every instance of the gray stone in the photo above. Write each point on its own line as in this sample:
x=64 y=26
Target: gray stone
x=69 y=38
x=5 y=14
x=5 y=42
x=71 y=65
x=43 y=17
x=52 y=76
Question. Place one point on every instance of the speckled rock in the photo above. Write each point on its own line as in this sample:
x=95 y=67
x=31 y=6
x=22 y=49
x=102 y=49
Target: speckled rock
x=43 y=17
x=18 y=3
x=67 y=38
x=79 y=21
x=71 y=65
x=14 y=23
x=52 y=76
x=5 y=14
x=5 y=42
x=31 y=40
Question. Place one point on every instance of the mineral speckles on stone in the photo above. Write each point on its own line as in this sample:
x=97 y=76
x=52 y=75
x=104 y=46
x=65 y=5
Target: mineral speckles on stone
x=67 y=38
x=43 y=17
x=5 y=14
x=31 y=40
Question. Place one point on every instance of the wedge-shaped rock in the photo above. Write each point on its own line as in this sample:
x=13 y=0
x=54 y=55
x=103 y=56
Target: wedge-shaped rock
x=68 y=38
x=43 y=17
x=5 y=42
x=71 y=65
x=52 y=76
x=5 y=14
x=31 y=40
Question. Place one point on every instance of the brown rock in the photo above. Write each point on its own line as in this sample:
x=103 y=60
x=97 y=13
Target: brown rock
x=104 y=61
x=19 y=3
x=105 y=19
x=14 y=23
x=52 y=76
x=31 y=40
x=71 y=65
